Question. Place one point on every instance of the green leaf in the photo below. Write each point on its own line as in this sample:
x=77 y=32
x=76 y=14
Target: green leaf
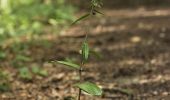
x=39 y=71
x=69 y=64
x=4 y=87
x=2 y=55
x=98 y=12
x=3 y=75
x=35 y=69
x=85 y=51
x=89 y=88
x=23 y=58
x=25 y=73
x=43 y=73
x=96 y=54
x=81 y=18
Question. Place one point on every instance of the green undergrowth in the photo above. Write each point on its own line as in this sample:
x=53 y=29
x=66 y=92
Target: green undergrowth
x=18 y=56
x=4 y=81
x=33 y=17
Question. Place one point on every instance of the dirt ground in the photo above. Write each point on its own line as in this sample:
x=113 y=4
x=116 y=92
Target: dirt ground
x=134 y=64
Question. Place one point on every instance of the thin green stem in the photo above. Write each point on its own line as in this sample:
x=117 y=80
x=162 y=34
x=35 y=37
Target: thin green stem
x=81 y=79
x=79 y=95
x=82 y=63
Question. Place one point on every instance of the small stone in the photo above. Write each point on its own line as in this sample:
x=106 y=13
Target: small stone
x=135 y=39
x=165 y=93
x=155 y=93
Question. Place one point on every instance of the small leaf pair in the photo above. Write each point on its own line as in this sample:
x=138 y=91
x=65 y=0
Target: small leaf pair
x=81 y=18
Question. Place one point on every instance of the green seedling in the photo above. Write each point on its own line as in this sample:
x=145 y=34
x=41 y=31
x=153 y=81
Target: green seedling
x=4 y=81
x=25 y=73
x=88 y=87
x=23 y=58
x=39 y=71
x=28 y=73
x=20 y=60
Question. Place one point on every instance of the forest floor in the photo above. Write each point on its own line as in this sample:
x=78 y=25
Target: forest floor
x=134 y=65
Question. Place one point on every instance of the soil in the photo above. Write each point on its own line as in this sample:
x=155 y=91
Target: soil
x=134 y=65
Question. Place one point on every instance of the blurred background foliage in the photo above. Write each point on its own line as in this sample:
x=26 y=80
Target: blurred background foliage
x=27 y=17
x=20 y=19
x=119 y=4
